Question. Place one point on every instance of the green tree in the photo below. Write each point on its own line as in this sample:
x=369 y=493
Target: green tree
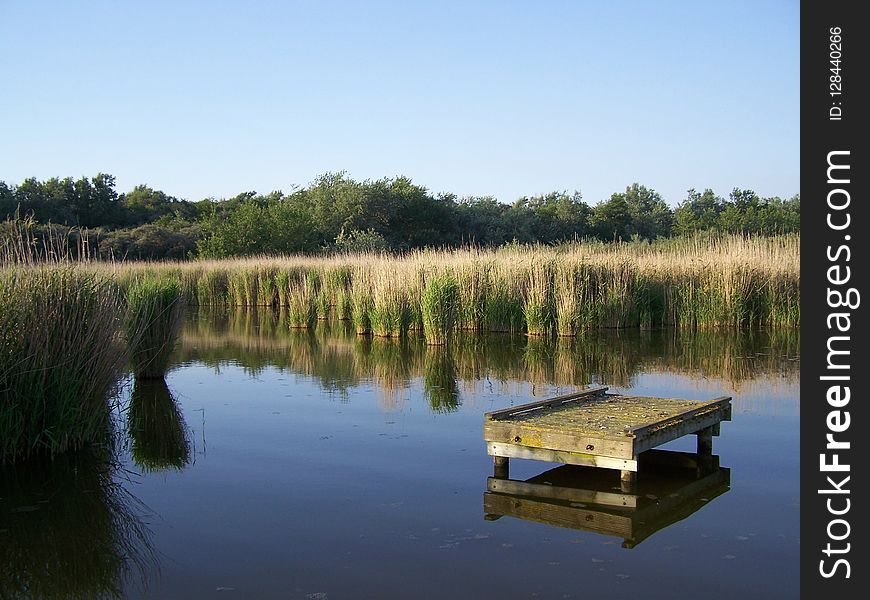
x=556 y=217
x=481 y=221
x=146 y=205
x=258 y=225
x=651 y=217
x=8 y=204
x=698 y=212
x=611 y=219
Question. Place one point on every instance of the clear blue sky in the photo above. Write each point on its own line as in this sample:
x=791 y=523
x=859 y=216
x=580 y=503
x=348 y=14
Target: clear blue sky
x=504 y=98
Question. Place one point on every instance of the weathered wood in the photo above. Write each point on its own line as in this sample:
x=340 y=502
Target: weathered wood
x=592 y=428
x=544 y=404
x=722 y=403
x=565 y=494
x=627 y=480
x=528 y=433
x=608 y=415
x=668 y=430
x=560 y=456
x=501 y=466
x=705 y=441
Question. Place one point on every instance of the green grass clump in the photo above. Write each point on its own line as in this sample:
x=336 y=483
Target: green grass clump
x=389 y=314
x=538 y=307
x=302 y=303
x=439 y=308
x=333 y=285
x=267 y=287
x=361 y=308
x=61 y=357
x=211 y=288
x=344 y=306
x=154 y=313
x=189 y=279
x=242 y=287
x=282 y=287
x=323 y=304
x=471 y=310
x=567 y=301
x=504 y=309
x=159 y=438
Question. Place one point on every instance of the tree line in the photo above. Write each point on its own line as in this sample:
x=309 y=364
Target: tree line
x=336 y=212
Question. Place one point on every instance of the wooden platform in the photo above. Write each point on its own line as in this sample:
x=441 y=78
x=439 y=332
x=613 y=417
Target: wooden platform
x=674 y=486
x=596 y=429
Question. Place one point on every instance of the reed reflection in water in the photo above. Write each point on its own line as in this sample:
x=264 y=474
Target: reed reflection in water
x=339 y=359
x=68 y=529
x=158 y=436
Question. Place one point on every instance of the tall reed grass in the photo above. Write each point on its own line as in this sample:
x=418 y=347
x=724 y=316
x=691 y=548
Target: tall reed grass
x=302 y=301
x=700 y=282
x=439 y=307
x=154 y=312
x=61 y=357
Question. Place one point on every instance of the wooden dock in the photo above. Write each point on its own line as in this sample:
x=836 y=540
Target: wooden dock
x=595 y=429
x=675 y=485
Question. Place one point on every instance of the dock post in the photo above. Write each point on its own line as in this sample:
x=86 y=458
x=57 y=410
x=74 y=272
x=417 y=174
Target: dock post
x=627 y=481
x=501 y=467
x=705 y=441
x=705 y=449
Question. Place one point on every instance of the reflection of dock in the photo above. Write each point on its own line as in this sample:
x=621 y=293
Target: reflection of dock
x=595 y=429
x=673 y=486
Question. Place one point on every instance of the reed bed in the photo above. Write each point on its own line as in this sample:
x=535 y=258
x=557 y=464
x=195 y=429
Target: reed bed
x=439 y=308
x=61 y=357
x=154 y=313
x=539 y=304
x=302 y=301
x=389 y=314
x=702 y=282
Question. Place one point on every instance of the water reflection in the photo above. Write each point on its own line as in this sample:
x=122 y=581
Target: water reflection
x=68 y=530
x=670 y=487
x=159 y=437
x=340 y=360
x=439 y=379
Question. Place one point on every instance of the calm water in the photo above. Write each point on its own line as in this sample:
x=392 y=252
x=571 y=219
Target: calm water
x=282 y=464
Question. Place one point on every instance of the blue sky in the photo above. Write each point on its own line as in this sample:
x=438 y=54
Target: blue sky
x=503 y=98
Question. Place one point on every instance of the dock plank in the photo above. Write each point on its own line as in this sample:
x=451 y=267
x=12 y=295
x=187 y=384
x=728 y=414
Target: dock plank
x=560 y=456
x=529 y=433
x=556 y=401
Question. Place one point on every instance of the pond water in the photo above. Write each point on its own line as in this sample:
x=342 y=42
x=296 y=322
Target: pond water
x=286 y=464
